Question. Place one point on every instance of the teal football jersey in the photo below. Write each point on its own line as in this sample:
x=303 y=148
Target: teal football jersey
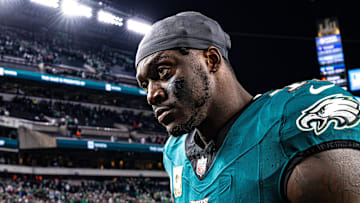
x=266 y=141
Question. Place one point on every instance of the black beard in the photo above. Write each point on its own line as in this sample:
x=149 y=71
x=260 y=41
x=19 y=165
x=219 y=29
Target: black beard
x=186 y=127
x=179 y=130
x=180 y=88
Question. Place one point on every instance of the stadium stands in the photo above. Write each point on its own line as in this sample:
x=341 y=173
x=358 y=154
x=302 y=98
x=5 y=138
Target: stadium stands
x=60 y=54
x=77 y=114
x=119 y=190
x=60 y=142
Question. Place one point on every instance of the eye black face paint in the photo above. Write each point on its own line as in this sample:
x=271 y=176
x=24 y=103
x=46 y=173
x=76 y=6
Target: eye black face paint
x=193 y=93
x=178 y=90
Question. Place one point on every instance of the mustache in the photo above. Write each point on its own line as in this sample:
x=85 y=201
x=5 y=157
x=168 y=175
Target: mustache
x=159 y=109
x=154 y=107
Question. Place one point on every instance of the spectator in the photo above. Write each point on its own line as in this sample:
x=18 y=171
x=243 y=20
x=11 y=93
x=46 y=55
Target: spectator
x=73 y=115
x=48 y=52
x=119 y=190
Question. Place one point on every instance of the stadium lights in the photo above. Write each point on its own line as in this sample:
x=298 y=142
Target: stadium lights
x=48 y=3
x=138 y=27
x=73 y=8
x=107 y=17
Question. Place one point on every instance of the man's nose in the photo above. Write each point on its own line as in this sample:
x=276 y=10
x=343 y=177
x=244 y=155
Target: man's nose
x=156 y=94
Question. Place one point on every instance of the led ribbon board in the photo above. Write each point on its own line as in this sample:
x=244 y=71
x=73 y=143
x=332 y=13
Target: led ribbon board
x=91 y=145
x=8 y=72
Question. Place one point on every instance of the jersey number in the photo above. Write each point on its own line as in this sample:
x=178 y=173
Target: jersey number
x=290 y=88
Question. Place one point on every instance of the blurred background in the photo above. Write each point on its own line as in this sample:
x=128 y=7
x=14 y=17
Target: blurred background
x=75 y=127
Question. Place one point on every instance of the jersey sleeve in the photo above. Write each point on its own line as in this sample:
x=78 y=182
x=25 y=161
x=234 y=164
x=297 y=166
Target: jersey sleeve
x=320 y=117
x=321 y=113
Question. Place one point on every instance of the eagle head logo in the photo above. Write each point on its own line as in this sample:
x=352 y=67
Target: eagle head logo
x=343 y=111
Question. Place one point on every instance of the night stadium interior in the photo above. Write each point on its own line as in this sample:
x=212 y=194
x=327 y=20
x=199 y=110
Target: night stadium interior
x=86 y=132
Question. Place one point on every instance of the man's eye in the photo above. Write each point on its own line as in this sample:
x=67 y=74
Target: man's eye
x=163 y=72
x=144 y=85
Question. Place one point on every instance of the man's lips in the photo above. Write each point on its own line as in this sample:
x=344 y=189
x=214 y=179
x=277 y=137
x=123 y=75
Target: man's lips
x=161 y=111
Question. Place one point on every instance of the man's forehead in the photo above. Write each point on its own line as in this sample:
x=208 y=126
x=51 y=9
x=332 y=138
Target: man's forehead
x=155 y=57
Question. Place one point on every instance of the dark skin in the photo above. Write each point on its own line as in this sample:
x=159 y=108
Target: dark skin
x=331 y=176
x=189 y=86
x=199 y=90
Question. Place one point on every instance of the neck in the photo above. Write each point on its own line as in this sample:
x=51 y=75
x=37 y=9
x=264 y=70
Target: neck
x=234 y=100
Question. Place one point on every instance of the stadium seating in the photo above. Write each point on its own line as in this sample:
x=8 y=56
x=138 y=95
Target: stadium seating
x=68 y=143
x=60 y=54
x=119 y=190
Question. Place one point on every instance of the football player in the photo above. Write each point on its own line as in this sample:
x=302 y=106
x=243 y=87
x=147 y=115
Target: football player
x=298 y=144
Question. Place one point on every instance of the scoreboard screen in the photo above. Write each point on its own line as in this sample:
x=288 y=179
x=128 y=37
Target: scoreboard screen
x=329 y=50
x=330 y=53
x=354 y=79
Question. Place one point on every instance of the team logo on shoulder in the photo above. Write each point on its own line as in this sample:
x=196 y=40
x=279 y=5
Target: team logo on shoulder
x=343 y=111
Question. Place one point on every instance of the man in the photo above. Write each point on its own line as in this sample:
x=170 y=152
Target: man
x=297 y=144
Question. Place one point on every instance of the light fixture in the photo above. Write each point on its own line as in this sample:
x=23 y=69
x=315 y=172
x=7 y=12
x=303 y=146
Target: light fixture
x=139 y=27
x=73 y=8
x=107 y=17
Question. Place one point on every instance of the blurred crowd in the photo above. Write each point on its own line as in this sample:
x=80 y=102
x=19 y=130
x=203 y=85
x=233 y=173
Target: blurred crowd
x=68 y=93
x=118 y=190
x=63 y=54
x=49 y=51
x=60 y=113
x=60 y=158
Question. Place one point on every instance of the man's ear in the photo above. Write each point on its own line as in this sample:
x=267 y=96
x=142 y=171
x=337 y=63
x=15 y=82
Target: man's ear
x=213 y=58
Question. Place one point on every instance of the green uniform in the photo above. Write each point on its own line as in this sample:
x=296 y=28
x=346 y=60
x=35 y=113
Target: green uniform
x=275 y=132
